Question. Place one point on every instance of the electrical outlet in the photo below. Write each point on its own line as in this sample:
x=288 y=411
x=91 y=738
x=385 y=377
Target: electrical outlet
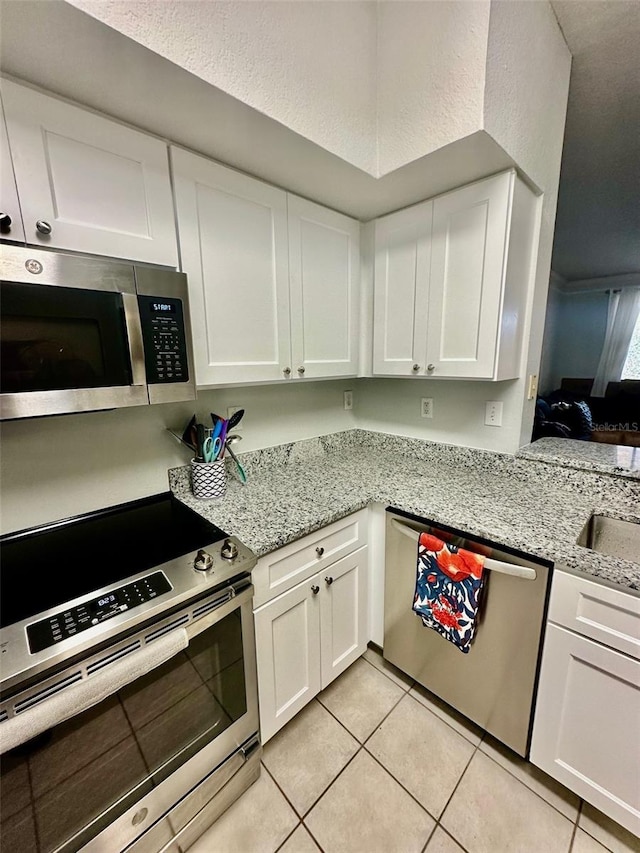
x=348 y=400
x=231 y=410
x=426 y=407
x=493 y=414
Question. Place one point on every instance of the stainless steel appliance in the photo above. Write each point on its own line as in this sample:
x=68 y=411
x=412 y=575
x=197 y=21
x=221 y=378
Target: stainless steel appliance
x=128 y=705
x=79 y=334
x=495 y=683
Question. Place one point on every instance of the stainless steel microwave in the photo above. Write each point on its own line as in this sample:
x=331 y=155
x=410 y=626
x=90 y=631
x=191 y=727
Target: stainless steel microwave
x=80 y=334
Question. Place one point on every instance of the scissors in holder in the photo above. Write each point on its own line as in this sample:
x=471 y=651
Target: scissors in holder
x=212 y=447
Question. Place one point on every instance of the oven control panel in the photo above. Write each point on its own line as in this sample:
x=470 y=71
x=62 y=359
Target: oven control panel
x=164 y=338
x=67 y=623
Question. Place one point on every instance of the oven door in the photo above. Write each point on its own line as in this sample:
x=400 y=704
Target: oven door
x=142 y=765
x=70 y=335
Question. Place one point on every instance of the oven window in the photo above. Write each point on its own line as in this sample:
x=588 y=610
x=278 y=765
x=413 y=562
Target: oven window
x=93 y=767
x=58 y=338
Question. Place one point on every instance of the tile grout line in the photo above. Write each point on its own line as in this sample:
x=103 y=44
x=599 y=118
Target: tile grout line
x=513 y=775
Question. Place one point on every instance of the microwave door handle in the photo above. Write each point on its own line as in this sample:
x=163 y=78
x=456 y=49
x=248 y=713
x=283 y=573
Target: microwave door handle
x=134 y=335
x=500 y=566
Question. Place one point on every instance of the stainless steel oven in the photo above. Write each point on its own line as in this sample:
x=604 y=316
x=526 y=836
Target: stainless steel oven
x=79 y=334
x=129 y=716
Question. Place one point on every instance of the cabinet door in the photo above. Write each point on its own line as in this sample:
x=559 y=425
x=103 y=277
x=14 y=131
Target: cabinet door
x=102 y=187
x=468 y=254
x=587 y=722
x=343 y=626
x=11 y=227
x=233 y=242
x=401 y=291
x=288 y=655
x=324 y=279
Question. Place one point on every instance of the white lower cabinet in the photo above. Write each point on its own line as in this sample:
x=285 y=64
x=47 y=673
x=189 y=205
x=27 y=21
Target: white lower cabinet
x=587 y=724
x=307 y=636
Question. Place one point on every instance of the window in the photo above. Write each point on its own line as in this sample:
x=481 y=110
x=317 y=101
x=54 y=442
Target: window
x=631 y=369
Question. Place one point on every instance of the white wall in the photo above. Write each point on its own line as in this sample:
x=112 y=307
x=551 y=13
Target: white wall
x=51 y=468
x=310 y=66
x=393 y=405
x=430 y=76
x=528 y=68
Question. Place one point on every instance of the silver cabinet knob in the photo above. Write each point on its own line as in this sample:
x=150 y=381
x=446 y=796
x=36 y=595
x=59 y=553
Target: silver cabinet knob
x=328 y=581
x=319 y=551
x=416 y=368
x=203 y=561
x=229 y=550
x=315 y=589
x=301 y=370
x=431 y=368
x=43 y=227
x=287 y=371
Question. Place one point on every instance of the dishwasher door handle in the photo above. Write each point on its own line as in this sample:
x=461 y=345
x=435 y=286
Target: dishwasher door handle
x=515 y=571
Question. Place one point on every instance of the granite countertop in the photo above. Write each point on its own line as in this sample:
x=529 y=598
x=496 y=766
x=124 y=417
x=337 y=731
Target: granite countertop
x=585 y=455
x=528 y=505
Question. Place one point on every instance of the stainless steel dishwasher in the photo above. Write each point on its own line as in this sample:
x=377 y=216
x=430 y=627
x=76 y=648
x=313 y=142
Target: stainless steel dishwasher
x=495 y=683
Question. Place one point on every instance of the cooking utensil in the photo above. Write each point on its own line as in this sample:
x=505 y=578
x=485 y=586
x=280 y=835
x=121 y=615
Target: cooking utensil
x=188 y=435
x=235 y=419
x=200 y=438
x=179 y=438
x=231 y=439
x=212 y=448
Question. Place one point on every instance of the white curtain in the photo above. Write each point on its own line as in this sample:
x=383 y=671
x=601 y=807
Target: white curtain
x=624 y=307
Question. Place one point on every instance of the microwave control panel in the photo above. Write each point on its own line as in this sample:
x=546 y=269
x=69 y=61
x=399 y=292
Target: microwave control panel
x=67 y=623
x=164 y=338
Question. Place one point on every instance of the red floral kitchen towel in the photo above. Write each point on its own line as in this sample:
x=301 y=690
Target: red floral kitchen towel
x=449 y=584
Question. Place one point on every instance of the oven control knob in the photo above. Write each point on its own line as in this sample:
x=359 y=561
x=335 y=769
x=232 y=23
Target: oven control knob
x=229 y=550
x=203 y=561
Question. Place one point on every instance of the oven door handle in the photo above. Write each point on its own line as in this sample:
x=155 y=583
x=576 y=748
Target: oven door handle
x=228 y=602
x=523 y=572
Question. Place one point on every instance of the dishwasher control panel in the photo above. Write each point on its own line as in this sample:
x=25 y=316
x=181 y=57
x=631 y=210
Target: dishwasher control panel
x=47 y=632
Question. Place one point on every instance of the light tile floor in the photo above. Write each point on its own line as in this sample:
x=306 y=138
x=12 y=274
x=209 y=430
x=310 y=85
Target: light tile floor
x=376 y=764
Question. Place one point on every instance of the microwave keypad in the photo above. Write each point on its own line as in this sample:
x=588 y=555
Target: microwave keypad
x=163 y=334
x=69 y=622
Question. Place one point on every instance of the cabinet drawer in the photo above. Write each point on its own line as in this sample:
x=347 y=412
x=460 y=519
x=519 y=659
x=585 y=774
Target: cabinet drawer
x=288 y=566
x=607 y=615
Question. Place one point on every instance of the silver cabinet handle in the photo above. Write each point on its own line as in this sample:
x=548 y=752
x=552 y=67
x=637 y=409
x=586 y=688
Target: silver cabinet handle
x=319 y=551
x=301 y=370
x=287 y=371
x=416 y=368
x=43 y=227
x=328 y=581
x=315 y=589
x=431 y=368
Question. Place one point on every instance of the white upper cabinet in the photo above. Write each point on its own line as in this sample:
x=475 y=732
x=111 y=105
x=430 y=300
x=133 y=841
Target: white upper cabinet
x=402 y=261
x=11 y=219
x=451 y=288
x=89 y=184
x=324 y=278
x=273 y=279
x=233 y=241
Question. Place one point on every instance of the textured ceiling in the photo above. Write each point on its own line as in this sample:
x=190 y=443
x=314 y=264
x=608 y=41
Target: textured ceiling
x=598 y=219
